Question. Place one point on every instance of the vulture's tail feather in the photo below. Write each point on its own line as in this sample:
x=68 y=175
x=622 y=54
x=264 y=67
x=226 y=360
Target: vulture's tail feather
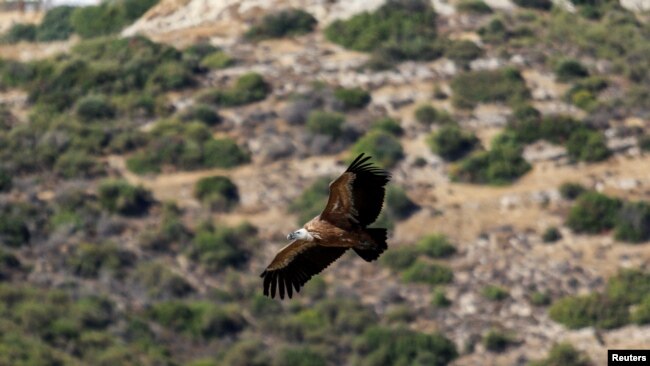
x=378 y=236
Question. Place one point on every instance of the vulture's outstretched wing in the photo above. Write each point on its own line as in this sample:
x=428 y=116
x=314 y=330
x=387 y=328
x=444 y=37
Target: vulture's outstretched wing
x=295 y=264
x=356 y=197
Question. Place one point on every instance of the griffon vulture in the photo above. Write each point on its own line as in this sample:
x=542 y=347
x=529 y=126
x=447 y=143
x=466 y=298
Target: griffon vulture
x=355 y=200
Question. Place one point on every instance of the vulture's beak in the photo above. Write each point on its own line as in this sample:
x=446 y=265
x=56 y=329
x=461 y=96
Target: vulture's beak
x=291 y=236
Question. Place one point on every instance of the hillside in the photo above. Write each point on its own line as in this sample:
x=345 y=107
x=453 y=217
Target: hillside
x=152 y=168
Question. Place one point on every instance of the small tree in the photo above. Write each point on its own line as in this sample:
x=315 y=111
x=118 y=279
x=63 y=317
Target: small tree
x=452 y=143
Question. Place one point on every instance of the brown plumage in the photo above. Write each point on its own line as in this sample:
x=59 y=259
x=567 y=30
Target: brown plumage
x=355 y=201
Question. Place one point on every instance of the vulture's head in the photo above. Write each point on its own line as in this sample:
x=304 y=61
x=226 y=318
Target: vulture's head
x=301 y=234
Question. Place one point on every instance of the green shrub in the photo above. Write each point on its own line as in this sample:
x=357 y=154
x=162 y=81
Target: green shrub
x=429 y=273
x=641 y=314
x=56 y=24
x=171 y=75
x=644 y=142
x=21 y=32
x=494 y=293
x=203 y=113
x=563 y=354
x=397 y=31
x=75 y=164
x=398 y=205
x=497 y=341
x=312 y=200
x=488 y=86
x=161 y=282
x=244 y=353
x=436 y=246
x=388 y=125
x=473 y=7
x=501 y=165
x=462 y=52
x=289 y=22
x=384 y=346
x=535 y=4
x=591 y=310
x=248 y=88
x=551 y=235
x=495 y=32
x=220 y=193
x=451 y=142
x=589 y=146
x=13 y=231
x=299 y=356
x=98 y=20
x=399 y=259
x=89 y=260
x=326 y=123
x=217 y=60
x=633 y=223
x=439 y=299
x=383 y=147
x=95 y=107
x=593 y=213
x=568 y=70
x=428 y=115
x=353 y=98
x=629 y=286
x=571 y=191
x=121 y=197
x=540 y=298
x=529 y=127
x=199 y=319
x=222 y=247
x=6 y=180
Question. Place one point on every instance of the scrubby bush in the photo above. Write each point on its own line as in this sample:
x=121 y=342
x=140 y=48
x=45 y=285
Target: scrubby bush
x=397 y=31
x=217 y=60
x=497 y=341
x=352 y=98
x=6 y=180
x=248 y=88
x=494 y=293
x=436 y=246
x=170 y=75
x=20 y=32
x=398 y=205
x=629 y=286
x=383 y=346
x=592 y=310
x=161 y=282
x=587 y=145
x=399 y=259
x=217 y=248
x=95 y=107
x=203 y=113
x=488 y=86
x=299 y=356
x=502 y=164
x=593 y=212
x=107 y=18
x=563 y=354
x=439 y=299
x=633 y=222
x=312 y=200
x=451 y=142
x=13 y=231
x=56 y=24
x=388 y=125
x=473 y=7
x=568 y=70
x=551 y=235
x=429 y=273
x=382 y=146
x=540 y=298
x=220 y=193
x=428 y=115
x=528 y=126
x=326 y=123
x=121 y=197
x=74 y=164
x=289 y=22
x=571 y=191
x=198 y=319
x=535 y=4
x=462 y=52
x=641 y=314
x=88 y=260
